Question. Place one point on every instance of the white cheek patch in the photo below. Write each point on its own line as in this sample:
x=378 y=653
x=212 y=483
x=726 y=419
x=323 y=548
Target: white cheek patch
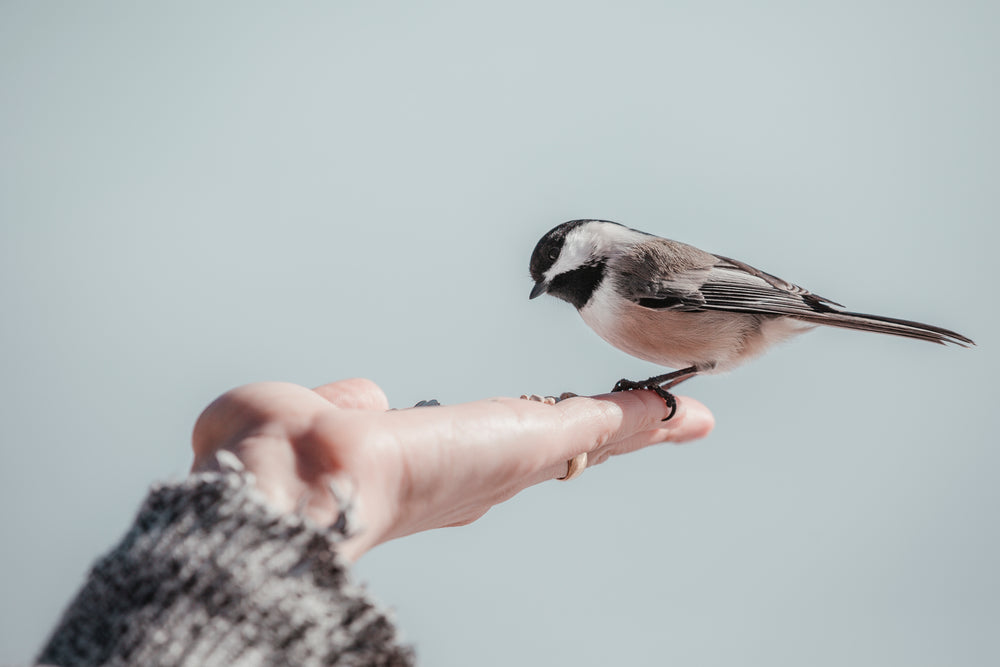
x=574 y=254
x=588 y=242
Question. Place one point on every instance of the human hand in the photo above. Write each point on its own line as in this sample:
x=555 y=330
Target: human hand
x=421 y=468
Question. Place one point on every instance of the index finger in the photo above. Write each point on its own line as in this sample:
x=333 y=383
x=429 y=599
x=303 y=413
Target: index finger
x=621 y=416
x=514 y=443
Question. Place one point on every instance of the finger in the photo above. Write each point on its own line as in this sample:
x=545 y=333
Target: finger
x=516 y=443
x=355 y=393
x=615 y=417
x=238 y=411
x=691 y=422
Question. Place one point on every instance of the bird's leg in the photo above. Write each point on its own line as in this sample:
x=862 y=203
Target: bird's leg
x=660 y=384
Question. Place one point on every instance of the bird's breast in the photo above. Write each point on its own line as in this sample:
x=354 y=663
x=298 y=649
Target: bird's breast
x=710 y=340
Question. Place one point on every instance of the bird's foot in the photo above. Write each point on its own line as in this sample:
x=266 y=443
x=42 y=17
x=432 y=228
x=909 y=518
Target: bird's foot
x=668 y=398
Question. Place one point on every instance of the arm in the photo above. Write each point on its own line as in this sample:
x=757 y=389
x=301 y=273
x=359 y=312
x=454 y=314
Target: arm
x=247 y=560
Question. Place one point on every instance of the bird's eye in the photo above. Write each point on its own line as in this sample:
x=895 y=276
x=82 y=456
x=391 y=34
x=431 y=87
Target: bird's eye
x=552 y=254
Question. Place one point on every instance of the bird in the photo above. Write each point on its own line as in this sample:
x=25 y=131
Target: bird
x=677 y=306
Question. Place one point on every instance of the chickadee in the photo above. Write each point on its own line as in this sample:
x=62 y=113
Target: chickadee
x=681 y=307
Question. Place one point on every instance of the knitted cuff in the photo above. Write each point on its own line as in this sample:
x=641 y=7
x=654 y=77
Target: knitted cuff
x=210 y=574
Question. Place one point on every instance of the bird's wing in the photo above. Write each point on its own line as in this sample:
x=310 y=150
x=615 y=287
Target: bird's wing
x=712 y=282
x=730 y=285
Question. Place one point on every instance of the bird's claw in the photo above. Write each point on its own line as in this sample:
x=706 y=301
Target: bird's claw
x=668 y=398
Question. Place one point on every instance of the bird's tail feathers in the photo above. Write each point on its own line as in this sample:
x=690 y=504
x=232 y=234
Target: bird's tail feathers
x=888 y=325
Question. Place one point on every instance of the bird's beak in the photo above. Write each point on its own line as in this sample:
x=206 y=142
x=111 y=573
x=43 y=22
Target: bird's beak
x=540 y=288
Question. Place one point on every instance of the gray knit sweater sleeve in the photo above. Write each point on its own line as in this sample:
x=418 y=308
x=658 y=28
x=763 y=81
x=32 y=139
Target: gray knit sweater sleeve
x=209 y=574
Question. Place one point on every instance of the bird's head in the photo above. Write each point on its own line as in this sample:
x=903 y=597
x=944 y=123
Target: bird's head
x=570 y=260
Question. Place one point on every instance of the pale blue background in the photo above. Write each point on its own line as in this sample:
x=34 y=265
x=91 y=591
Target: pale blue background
x=195 y=196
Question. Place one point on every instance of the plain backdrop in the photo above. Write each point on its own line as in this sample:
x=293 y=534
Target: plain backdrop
x=199 y=195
